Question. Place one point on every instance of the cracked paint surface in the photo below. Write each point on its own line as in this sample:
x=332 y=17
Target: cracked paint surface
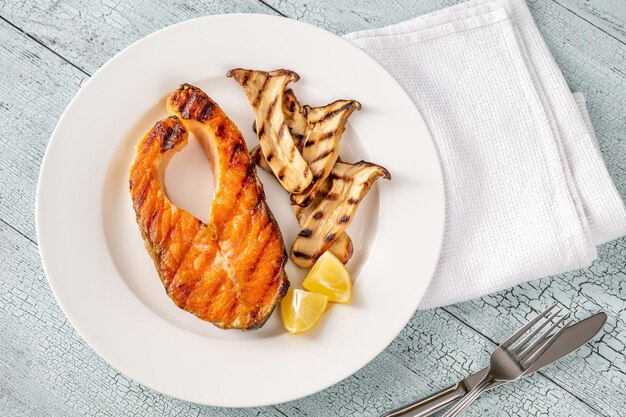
x=48 y=49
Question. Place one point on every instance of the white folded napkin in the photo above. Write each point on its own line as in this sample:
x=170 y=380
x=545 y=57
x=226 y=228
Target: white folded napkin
x=528 y=194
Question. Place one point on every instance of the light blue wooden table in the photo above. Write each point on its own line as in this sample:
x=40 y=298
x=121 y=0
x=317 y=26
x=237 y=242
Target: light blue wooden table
x=48 y=49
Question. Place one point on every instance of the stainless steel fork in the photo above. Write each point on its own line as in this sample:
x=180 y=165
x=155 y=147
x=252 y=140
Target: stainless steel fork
x=508 y=362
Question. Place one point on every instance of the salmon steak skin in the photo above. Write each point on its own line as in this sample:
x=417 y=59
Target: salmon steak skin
x=230 y=270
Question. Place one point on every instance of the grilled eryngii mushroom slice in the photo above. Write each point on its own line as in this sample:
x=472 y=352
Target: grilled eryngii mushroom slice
x=342 y=248
x=295 y=117
x=256 y=154
x=326 y=124
x=265 y=91
x=296 y=122
x=350 y=183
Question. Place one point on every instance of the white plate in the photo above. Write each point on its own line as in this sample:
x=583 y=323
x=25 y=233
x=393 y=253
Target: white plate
x=103 y=277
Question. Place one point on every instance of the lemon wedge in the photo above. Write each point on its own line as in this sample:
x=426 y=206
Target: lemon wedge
x=330 y=277
x=302 y=310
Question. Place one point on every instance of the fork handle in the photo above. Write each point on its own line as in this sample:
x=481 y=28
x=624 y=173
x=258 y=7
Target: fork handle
x=469 y=398
x=430 y=404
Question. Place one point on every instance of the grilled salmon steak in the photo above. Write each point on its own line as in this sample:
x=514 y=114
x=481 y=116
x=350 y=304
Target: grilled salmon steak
x=230 y=270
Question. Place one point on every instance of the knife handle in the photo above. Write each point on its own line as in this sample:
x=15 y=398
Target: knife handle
x=431 y=404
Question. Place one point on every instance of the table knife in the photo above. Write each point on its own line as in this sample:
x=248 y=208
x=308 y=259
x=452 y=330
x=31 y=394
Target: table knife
x=574 y=337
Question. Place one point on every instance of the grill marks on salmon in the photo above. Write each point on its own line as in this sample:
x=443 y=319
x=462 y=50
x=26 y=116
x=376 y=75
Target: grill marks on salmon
x=229 y=271
x=328 y=221
x=265 y=91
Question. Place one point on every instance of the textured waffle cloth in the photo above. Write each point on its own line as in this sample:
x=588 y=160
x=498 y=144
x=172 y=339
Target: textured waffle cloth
x=527 y=191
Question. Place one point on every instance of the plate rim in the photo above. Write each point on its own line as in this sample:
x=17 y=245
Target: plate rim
x=54 y=138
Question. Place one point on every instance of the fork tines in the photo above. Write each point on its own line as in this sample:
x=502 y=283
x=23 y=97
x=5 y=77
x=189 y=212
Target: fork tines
x=526 y=352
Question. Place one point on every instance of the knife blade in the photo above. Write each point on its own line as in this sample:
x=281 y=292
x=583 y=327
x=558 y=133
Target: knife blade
x=572 y=338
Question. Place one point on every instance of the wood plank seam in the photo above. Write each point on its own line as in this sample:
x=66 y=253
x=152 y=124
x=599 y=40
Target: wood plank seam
x=273 y=8
x=19 y=232
x=41 y=43
x=591 y=23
